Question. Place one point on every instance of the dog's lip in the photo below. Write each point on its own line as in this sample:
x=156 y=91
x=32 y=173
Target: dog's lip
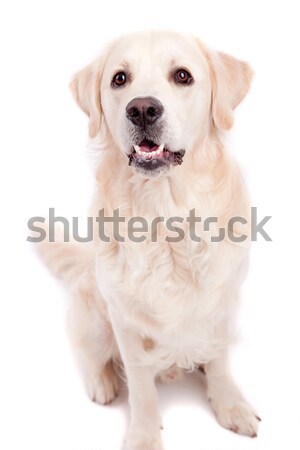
x=149 y=150
x=154 y=154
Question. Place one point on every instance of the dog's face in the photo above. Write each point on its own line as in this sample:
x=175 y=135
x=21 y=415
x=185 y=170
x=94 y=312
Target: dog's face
x=155 y=94
x=159 y=94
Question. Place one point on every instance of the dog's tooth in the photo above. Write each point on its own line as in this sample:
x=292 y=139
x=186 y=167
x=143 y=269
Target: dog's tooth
x=161 y=147
x=137 y=149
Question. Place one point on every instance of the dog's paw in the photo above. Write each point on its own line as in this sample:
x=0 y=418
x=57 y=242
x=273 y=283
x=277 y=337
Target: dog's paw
x=102 y=388
x=138 y=441
x=171 y=374
x=237 y=416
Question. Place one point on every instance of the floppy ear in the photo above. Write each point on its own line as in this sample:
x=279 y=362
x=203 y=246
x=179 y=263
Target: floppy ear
x=85 y=88
x=230 y=79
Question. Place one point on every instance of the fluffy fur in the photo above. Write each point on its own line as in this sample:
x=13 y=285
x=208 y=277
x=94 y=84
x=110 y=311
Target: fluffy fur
x=159 y=307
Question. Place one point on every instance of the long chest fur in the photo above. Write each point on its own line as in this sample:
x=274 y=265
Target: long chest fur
x=182 y=293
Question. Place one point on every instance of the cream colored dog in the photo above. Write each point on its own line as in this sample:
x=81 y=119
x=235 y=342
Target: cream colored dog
x=157 y=104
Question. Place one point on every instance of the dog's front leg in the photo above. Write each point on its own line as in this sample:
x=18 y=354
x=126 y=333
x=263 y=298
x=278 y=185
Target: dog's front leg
x=144 y=428
x=231 y=408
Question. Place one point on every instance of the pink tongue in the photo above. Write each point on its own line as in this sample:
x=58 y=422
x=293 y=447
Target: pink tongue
x=147 y=148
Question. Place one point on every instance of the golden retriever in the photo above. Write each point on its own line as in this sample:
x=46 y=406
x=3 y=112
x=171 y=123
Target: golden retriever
x=158 y=104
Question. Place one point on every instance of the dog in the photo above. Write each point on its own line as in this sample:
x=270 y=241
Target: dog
x=158 y=105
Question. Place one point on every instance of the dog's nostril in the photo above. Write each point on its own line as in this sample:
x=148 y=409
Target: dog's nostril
x=151 y=112
x=133 y=112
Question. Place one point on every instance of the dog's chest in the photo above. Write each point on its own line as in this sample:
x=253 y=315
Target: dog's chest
x=168 y=295
x=170 y=291
x=165 y=282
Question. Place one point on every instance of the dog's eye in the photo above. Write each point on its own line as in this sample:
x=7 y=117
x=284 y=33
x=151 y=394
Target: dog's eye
x=183 y=76
x=119 y=79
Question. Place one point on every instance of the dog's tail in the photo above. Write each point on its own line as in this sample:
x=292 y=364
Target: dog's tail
x=69 y=261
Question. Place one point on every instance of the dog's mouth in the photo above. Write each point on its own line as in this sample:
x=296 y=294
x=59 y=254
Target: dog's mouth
x=151 y=158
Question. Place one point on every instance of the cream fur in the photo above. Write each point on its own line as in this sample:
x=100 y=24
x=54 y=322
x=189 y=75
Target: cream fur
x=181 y=297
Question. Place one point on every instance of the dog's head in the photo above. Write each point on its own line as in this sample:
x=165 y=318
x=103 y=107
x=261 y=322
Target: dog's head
x=159 y=94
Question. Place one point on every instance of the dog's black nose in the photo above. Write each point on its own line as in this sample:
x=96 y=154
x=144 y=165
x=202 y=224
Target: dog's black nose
x=144 y=111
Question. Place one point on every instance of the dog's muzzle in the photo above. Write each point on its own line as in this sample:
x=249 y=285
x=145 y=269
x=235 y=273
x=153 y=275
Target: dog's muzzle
x=149 y=157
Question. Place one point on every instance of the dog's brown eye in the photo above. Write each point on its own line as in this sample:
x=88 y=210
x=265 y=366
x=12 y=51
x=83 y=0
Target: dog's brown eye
x=183 y=76
x=119 y=79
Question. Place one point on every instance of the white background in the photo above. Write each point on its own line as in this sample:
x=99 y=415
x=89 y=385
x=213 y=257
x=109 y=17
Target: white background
x=43 y=164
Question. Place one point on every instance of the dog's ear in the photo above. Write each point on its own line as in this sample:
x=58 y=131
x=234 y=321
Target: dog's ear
x=85 y=87
x=230 y=80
